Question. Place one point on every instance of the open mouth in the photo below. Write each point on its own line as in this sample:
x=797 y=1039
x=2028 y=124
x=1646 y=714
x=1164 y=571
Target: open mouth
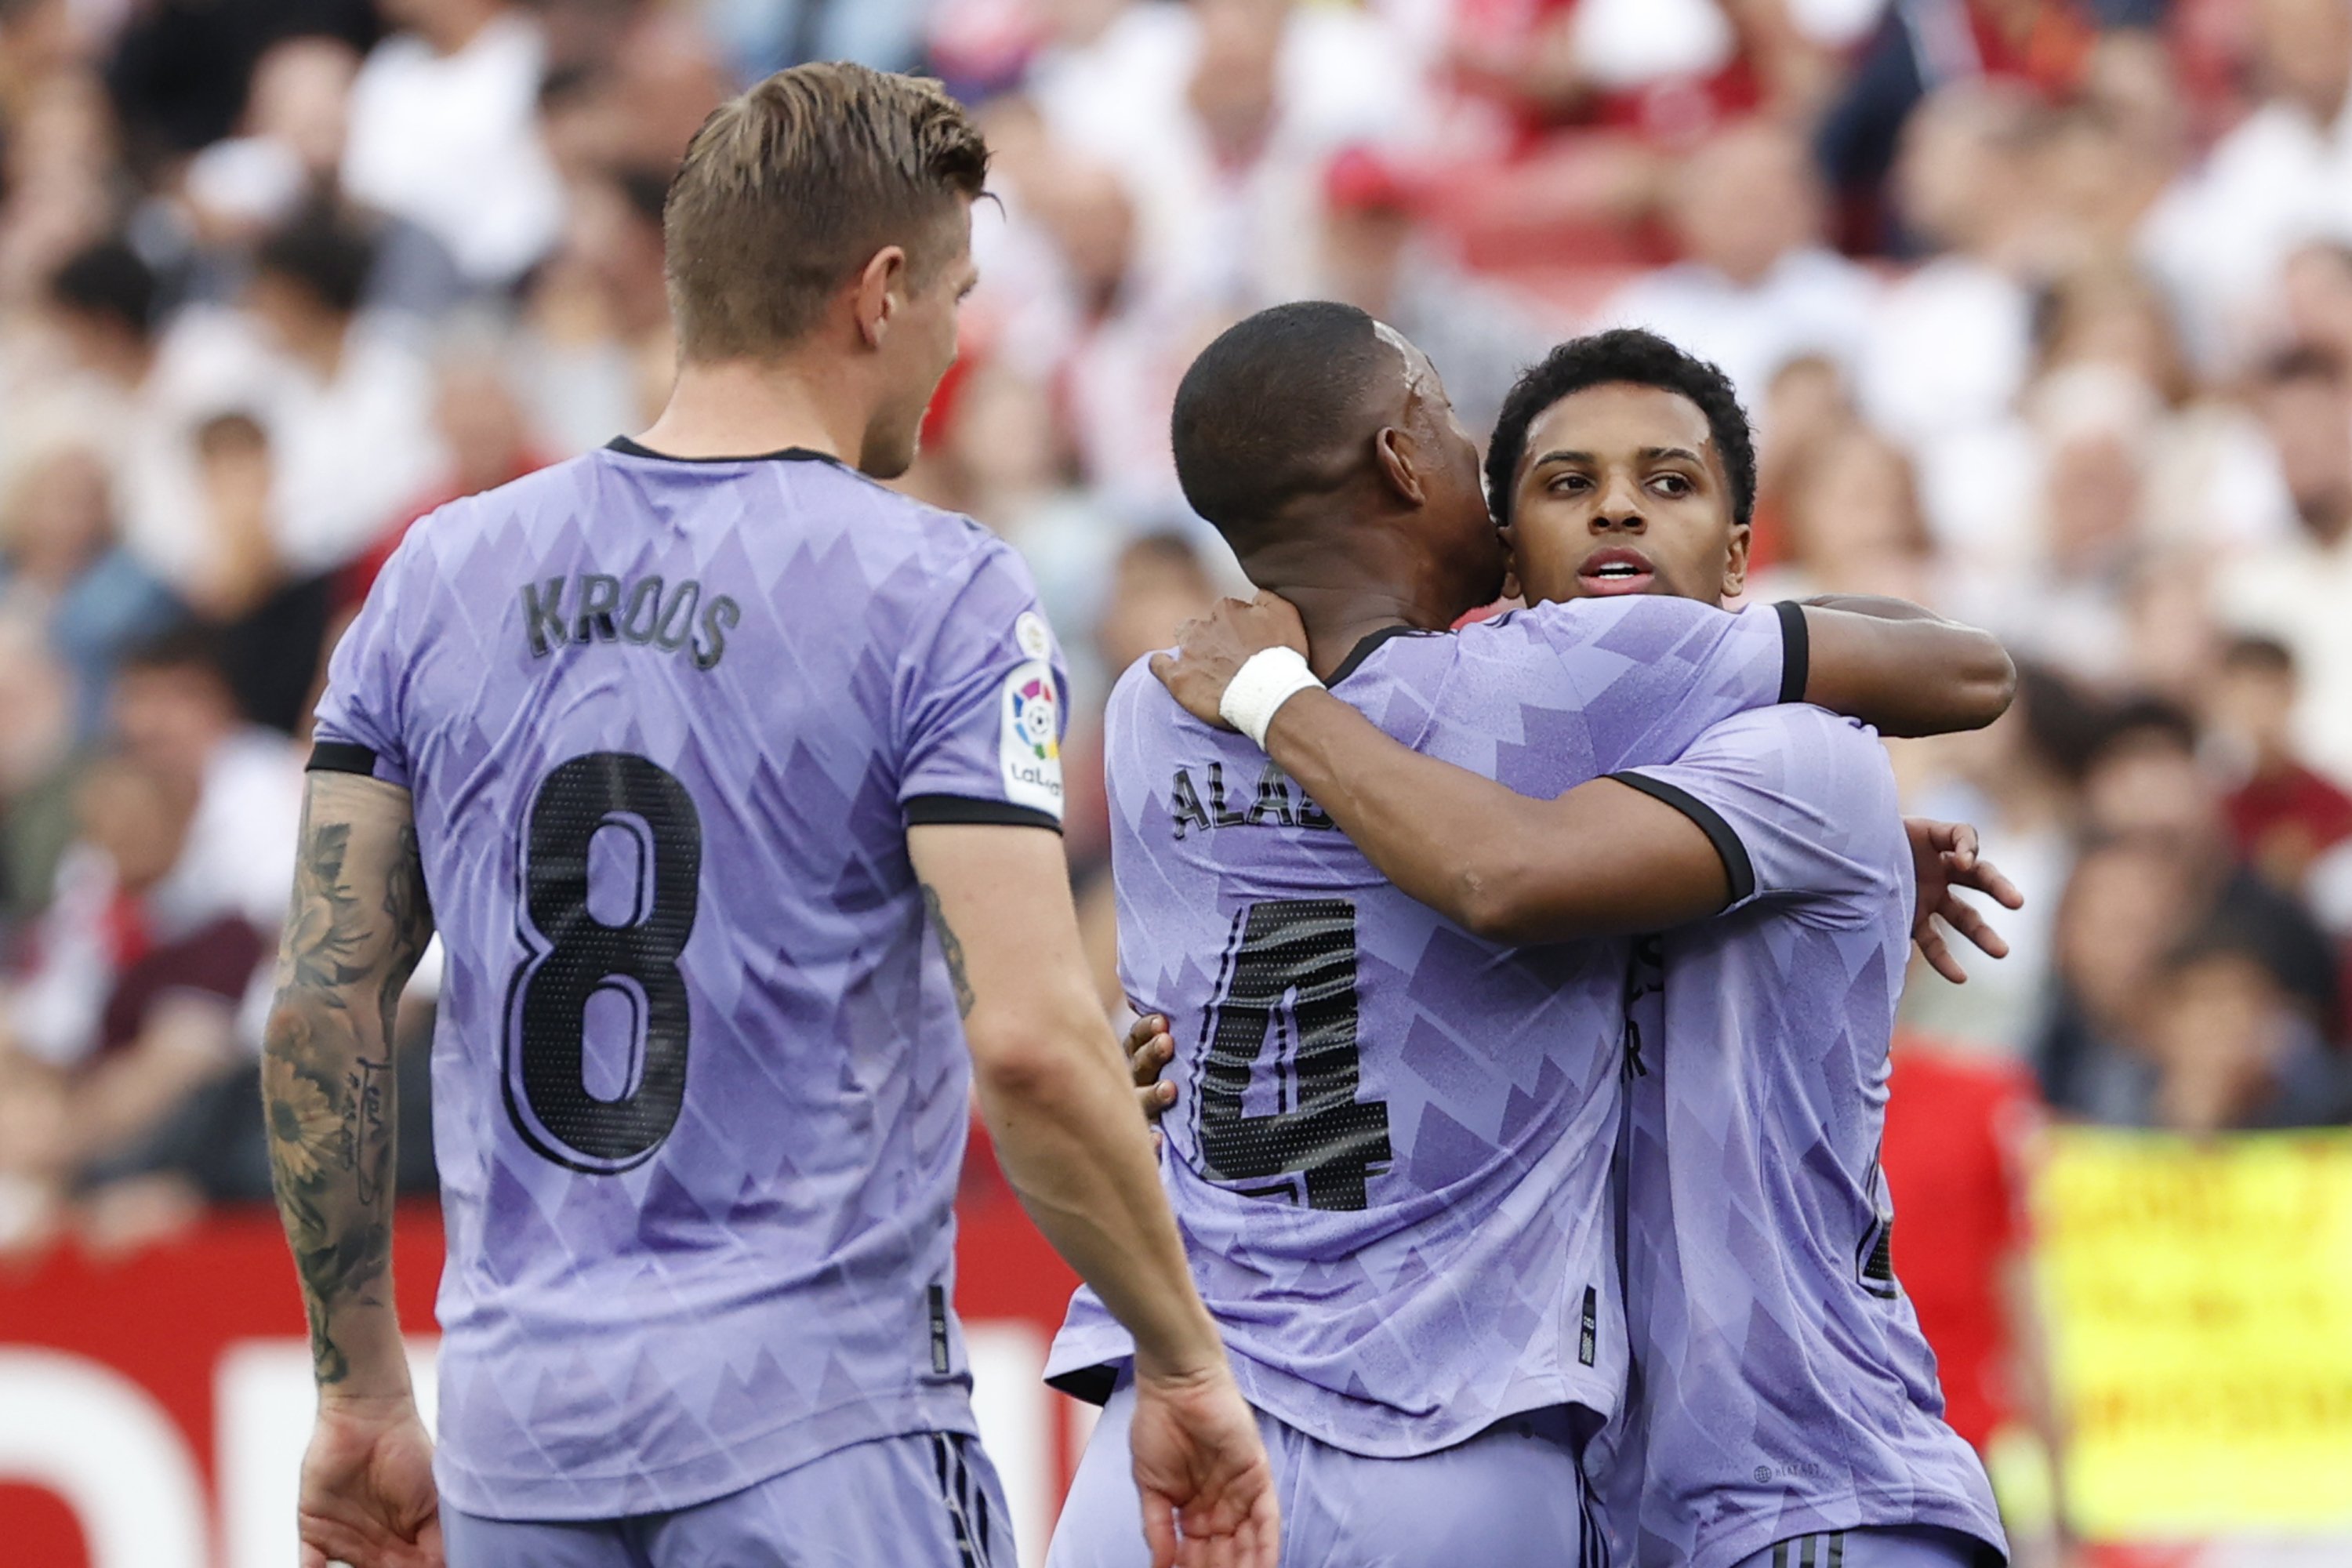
x=1616 y=570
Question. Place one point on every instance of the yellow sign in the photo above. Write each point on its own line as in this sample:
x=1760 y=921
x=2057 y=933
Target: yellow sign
x=2201 y=1321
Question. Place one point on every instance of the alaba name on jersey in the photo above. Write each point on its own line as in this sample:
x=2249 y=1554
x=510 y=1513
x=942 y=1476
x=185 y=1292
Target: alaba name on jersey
x=699 y=1086
x=1390 y=1164
x=1781 y=1385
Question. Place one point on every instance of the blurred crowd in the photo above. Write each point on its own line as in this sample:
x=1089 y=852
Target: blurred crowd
x=2042 y=308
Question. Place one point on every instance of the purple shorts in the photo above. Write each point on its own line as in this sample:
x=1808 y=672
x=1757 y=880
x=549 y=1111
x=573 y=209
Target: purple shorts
x=926 y=1499
x=1917 y=1546
x=1515 y=1493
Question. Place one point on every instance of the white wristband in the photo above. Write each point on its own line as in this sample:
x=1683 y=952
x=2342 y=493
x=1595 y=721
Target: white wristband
x=1267 y=679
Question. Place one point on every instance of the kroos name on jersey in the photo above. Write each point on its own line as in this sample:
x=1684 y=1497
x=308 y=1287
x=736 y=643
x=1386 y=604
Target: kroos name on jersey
x=604 y=608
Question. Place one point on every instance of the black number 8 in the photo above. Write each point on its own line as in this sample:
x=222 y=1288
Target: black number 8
x=576 y=955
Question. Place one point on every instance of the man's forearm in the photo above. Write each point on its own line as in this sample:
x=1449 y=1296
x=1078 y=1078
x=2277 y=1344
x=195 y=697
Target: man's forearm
x=358 y=924
x=1902 y=670
x=1603 y=859
x=1052 y=1084
x=1076 y=1149
x=1438 y=832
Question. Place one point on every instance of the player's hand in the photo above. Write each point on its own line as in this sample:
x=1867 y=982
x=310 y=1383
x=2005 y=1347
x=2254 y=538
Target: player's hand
x=1944 y=859
x=1201 y=1470
x=1209 y=651
x=367 y=1487
x=1150 y=1048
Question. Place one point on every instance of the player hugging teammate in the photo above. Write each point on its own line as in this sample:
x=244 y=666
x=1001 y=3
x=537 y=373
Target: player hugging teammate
x=729 y=781
x=1534 y=1242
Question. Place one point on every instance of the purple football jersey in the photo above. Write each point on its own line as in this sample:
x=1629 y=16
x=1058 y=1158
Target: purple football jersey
x=700 y=1085
x=1781 y=1386
x=1390 y=1162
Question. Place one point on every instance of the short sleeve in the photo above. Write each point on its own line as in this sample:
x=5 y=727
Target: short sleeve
x=1652 y=673
x=1802 y=805
x=983 y=705
x=359 y=727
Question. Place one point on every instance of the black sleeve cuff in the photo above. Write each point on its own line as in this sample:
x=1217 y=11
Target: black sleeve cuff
x=1095 y=1384
x=1796 y=651
x=341 y=757
x=925 y=810
x=1736 y=864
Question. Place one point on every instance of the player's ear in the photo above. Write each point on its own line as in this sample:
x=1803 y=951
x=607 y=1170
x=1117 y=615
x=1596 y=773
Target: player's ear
x=1392 y=451
x=1735 y=559
x=1511 y=588
x=879 y=292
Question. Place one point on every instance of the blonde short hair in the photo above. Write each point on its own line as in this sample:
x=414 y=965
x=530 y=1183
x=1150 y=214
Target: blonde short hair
x=792 y=186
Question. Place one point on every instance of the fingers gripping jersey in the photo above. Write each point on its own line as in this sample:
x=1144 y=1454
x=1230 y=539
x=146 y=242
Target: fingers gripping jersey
x=699 y=1087
x=1389 y=1161
x=1781 y=1386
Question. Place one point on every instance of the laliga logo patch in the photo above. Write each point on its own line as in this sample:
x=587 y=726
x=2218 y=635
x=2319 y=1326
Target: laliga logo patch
x=1029 y=745
x=1034 y=713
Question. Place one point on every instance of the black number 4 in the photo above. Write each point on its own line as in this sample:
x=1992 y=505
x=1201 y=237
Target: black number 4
x=1303 y=949
x=576 y=955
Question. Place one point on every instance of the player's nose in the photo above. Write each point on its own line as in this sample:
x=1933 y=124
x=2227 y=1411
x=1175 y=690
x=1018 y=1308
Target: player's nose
x=1619 y=506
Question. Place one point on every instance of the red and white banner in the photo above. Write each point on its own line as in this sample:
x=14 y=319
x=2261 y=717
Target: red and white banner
x=154 y=1408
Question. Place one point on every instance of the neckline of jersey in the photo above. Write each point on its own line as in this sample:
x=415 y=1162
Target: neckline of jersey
x=631 y=449
x=1369 y=644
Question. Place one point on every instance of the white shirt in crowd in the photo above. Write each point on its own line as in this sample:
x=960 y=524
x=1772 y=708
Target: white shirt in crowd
x=451 y=142
x=2300 y=592
x=2218 y=237
x=1810 y=301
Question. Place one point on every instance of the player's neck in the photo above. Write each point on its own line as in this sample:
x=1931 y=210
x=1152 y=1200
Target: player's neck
x=1337 y=619
x=746 y=408
x=1351 y=582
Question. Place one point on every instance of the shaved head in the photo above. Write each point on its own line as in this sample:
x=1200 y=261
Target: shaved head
x=1283 y=407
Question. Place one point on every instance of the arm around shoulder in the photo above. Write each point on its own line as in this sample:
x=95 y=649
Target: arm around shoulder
x=1902 y=670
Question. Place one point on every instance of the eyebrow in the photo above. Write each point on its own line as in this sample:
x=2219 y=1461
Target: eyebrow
x=1647 y=454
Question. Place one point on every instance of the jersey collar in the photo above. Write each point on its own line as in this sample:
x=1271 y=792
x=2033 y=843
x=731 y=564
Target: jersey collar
x=627 y=447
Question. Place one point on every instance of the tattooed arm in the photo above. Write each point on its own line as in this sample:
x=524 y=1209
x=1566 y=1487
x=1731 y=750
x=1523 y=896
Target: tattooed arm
x=1055 y=1098
x=358 y=923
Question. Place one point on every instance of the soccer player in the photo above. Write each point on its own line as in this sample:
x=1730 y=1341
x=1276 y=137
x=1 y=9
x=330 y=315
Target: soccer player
x=1784 y=1408
x=1392 y=1178
x=678 y=744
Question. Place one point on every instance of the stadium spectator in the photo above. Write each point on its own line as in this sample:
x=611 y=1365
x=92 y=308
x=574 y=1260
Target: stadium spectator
x=2295 y=588
x=1851 y=524
x=444 y=132
x=38 y=769
x=491 y=441
x=1377 y=256
x=2283 y=816
x=2225 y=1048
x=134 y=1002
x=174 y=711
x=346 y=401
x=2277 y=179
x=63 y=572
x=2145 y=782
x=289 y=149
x=593 y=349
x=1756 y=286
x=1952 y=346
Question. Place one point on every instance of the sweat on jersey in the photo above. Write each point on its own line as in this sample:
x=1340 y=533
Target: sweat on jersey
x=1781 y=1386
x=1389 y=1167
x=699 y=1084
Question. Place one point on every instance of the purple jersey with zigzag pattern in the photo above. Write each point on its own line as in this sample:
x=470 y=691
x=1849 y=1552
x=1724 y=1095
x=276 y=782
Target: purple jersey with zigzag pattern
x=1781 y=1387
x=1389 y=1167
x=700 y=1085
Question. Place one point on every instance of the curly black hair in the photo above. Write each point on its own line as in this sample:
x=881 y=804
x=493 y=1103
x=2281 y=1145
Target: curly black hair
x=1623 y=355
